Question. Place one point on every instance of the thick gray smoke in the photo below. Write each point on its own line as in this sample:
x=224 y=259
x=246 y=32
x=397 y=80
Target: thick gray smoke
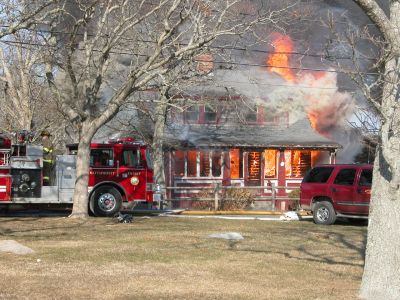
x=327 y=98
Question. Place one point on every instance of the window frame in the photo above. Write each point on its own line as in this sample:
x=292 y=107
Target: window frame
x=93 y=161
x=197 y=166
x=275 y=163
x=361 y=175
x=189 y=112
x=249 y=111
x=328 y=172
x=210 y=110
x=354 y=170
x=139 y=161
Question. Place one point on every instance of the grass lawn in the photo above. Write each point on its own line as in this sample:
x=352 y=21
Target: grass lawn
x=173 y=258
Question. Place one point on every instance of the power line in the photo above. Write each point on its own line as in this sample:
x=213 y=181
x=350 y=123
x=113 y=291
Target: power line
x=244 y=49
x=230 y=63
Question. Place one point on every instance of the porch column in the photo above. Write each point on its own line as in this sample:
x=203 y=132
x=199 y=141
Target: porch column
x=332 y=157
x=169 y=179
x=226 y=167
x=245 y=167
x=281 y=172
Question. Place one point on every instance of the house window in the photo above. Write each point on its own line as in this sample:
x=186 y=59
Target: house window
x=216 y=159
x=283 y=119
x=204 y=164
x=254 y=165
x=236 y=163
x=210 y=114
x=192 y=114
x=198 y=163
x=192 y=163
x=250 y=115
x=297 y=163
x=179 y=163
x=270 y=163
x=270 y=115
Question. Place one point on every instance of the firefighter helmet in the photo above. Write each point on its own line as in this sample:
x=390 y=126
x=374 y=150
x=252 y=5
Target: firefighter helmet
x=45 y=133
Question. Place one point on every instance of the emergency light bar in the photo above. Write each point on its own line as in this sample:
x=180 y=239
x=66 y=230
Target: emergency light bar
x=125 y=140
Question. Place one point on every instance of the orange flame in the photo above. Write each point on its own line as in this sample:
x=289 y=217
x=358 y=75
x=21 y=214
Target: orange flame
x=278 y=62
x=313 y=119
x=325 y=109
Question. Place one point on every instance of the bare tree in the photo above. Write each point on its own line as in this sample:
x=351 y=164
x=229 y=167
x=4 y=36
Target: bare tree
x=17 y=15
x=25 y=91
x=22 y=85
x=101 y=53
x=381 y=279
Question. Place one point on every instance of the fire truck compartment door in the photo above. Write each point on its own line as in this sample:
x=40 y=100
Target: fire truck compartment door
x=66 y=175
x=66 y=171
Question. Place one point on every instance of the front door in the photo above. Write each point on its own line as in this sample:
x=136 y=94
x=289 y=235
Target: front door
x=253 y=169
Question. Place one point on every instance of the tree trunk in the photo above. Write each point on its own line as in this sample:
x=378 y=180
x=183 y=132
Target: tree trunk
x=157 y=145
x=381 y=278
x=80 y=197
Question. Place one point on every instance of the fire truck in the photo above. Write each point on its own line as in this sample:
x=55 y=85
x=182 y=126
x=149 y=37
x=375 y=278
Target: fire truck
x=120 y=175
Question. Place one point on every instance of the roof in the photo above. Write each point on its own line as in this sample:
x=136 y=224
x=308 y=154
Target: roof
x=298 y=135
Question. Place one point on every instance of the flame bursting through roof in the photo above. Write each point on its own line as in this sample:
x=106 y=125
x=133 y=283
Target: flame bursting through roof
x=326 y=107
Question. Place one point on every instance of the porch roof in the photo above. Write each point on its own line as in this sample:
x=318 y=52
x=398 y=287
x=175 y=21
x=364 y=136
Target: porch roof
x=299 y=135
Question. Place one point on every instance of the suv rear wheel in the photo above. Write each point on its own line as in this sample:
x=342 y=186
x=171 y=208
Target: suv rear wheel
x=324 y=213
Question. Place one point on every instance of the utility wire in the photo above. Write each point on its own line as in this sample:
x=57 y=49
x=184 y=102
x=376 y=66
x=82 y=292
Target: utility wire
x=322 y=56
x=229 y=63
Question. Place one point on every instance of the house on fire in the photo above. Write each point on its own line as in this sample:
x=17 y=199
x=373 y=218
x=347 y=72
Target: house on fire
x=254 y=130
x=228 y=141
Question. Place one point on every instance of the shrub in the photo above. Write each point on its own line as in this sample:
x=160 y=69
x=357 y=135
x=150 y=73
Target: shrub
x=294 y=204
x=236 y=199
x=204 y=204
x=231 y=199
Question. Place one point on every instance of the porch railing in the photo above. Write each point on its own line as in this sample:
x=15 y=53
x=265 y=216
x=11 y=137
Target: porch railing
x=269 y=193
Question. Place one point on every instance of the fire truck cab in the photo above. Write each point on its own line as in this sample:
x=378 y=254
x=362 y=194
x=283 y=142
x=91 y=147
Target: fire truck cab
x=120 y=176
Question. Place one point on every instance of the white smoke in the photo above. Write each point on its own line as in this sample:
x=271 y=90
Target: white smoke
x=315 y=95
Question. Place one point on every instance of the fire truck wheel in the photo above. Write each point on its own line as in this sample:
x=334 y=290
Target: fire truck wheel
x=105 y=201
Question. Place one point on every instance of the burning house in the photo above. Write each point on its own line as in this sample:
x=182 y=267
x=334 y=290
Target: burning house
x=253 y=135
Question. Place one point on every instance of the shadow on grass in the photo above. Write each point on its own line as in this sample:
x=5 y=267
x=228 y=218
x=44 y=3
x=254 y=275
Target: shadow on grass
x=323 y=242
x=28 y=226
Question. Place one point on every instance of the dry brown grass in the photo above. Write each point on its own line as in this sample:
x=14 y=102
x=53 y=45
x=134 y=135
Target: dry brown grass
x=172 y=258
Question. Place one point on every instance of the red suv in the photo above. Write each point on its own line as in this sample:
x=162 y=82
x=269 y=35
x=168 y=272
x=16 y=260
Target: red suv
x=331 y=191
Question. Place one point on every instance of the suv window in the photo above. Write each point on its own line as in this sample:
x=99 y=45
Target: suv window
x=345 y=177
x=366 y=178
x=318 y=175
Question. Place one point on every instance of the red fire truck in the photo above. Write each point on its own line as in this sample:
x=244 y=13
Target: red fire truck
x=120 y=175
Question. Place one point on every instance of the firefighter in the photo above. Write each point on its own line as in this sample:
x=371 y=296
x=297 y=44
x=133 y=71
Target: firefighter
x=48 y=159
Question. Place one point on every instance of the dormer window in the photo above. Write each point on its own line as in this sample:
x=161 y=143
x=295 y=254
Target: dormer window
x=203 y=114
x=192 y=114
x=270 y=115
x=250 y=115
x=210 y=114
